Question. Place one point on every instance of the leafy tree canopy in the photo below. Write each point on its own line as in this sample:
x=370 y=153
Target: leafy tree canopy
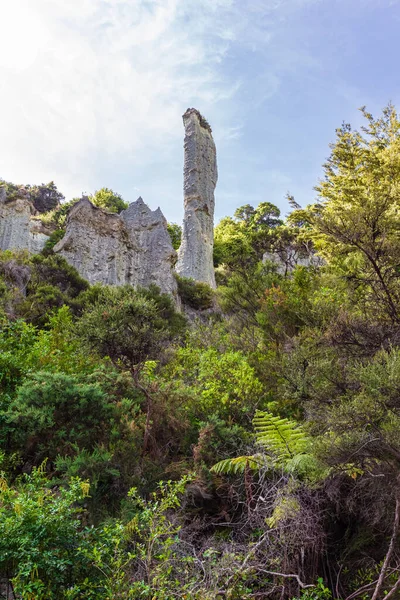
x=111 y=201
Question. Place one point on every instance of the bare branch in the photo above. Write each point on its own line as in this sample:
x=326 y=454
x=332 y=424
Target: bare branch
x=390 y=550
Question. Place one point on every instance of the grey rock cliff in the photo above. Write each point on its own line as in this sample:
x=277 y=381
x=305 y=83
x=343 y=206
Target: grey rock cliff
x=131 y=248
x=20 y=227
x=195 y=256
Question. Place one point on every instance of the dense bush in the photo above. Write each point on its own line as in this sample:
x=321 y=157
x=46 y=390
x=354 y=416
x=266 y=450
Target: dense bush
x=195 y=294
x=109 y=200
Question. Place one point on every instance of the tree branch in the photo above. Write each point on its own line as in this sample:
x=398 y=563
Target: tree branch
x=390 y=551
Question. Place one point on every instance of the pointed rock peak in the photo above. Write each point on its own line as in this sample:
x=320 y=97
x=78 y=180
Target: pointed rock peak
x=193 y=112
x=159 y=213
x=139 y=210
x=82 y=203
x=136 y=208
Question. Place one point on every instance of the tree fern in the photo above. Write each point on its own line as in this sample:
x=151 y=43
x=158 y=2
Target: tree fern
x=285 y=444
x=281 y=438
x=233 y=466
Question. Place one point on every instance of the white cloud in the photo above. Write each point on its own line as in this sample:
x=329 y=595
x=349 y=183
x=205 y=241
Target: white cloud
x=86 y=80
x=93 y=87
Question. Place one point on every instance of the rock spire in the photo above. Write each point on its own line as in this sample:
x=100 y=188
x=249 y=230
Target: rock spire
x=195 y=256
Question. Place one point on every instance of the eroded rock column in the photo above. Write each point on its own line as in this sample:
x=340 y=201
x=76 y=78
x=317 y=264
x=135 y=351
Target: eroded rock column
x=195 y=256
x=20 y=224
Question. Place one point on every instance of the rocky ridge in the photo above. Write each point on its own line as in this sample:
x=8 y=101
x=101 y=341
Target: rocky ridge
x=131 y=248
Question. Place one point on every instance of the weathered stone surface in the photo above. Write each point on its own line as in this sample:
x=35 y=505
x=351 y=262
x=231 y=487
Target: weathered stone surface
x=131 y=248
x=19 y=229
x=195 y=256
x=152 y=257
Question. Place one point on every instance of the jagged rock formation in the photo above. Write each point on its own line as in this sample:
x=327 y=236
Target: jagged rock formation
x=131 y=248
x=195 y=256
x=154 y=257
x=20 y=227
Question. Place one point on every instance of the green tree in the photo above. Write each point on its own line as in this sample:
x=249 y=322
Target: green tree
x=52 y=413
x=130 y=326
x=111 y=201
x=196 y=294
x=355 y=225
x=242 y=241
x=45 y=197
x=53 y=283
x=40 y=538
x=221 y=383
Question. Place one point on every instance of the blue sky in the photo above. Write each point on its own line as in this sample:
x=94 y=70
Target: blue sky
x=92 y=91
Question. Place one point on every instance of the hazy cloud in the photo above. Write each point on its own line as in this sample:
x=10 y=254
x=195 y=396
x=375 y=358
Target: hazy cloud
x=83 y=81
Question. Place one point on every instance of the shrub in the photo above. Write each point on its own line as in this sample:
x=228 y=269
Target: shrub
x=109 y=200
x=52 y=412
x=195 y=294
x=54 y=238
x=175 y=233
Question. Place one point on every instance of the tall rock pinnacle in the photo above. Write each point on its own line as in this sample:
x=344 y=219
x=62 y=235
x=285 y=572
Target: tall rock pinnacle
x=195 y=256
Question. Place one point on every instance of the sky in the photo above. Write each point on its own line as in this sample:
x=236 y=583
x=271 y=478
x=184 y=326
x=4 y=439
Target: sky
x=92 y=92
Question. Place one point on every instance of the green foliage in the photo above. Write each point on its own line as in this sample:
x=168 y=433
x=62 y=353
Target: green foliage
x=319 y=592
x=232 y=466
x=195 y=294
x=231 y=244
x=109 y=200
x=130 y=326
x=54 y=238
x=281 y=438
x=57 y=217
x=38 y=284
x=358 y=445
x=223 y=384
x=45 y=197
x=56 y=271
x=175 y=233
x=285 y=445
x=52 y=412
x=355 y=224
x=242 y=241
x=39 y=537
x=13 y=190
x=242 y=293
x=16 y=340
x=155 y=539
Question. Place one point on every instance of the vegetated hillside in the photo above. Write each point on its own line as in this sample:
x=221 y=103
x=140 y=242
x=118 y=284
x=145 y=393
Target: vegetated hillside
x=253 y=452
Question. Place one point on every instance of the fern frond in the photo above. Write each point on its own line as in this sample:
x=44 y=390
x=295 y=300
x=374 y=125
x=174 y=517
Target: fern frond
x=282 y=438
x=233 y=466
